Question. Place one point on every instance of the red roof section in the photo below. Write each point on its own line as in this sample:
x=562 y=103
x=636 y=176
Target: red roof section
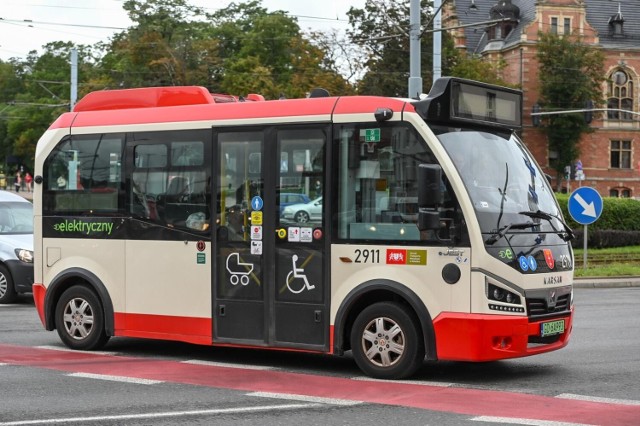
x=146 y=97
x=192 y=103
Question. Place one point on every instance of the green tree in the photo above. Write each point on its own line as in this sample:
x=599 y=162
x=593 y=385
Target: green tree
x=44 y=94
x=167 y=46
x=382 y=30
x=10 y=86
x=266 y=53
x=478 y=69
x=571 y=74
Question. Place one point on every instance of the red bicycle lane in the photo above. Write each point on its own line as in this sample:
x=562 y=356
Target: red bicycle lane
x=459 y=400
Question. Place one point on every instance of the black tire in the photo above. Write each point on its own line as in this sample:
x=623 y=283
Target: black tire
x=80 y=319
x=301 y=217
x=386 y=342
x=8 y=292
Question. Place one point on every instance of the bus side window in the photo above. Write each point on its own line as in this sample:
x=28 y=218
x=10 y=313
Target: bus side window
x=83 y=174
x=377 y=182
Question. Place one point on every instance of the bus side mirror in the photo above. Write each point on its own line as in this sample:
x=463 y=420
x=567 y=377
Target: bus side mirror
x=428 y=220
x=430 y=196
x=430 y=188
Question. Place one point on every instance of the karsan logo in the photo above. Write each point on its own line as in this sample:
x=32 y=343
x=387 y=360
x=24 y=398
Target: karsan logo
x=553 y=280
x=84 y=227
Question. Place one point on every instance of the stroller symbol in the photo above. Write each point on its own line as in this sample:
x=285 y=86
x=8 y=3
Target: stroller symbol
x=234 y=266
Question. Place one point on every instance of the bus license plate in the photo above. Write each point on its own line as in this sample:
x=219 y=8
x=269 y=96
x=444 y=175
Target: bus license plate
x=552 y=327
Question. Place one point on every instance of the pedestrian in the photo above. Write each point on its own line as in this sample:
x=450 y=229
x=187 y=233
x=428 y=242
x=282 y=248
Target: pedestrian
x=27 y=180
x=17 y=182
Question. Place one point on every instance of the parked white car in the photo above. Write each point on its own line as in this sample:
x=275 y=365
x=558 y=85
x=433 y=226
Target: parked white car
x=303 y=213
x=16 y=246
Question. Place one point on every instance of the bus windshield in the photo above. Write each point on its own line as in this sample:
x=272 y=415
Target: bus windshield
x=508 y=191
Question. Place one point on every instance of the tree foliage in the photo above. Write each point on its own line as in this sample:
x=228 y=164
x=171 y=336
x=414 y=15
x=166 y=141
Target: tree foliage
x=381 y=29
x=571 y=74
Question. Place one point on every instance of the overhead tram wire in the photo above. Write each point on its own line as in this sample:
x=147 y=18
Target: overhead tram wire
x=32 y=22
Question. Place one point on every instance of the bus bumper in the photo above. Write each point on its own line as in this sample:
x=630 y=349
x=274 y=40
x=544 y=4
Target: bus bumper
x=39 y=292
x=482 y=337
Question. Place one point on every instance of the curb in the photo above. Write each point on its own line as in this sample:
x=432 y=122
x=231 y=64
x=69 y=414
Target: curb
x=608 y=282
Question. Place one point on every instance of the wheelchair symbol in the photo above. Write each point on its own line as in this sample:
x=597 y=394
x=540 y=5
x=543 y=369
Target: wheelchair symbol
x=237 y=275
x=297 y=273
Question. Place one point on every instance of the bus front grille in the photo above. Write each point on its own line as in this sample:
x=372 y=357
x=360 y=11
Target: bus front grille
x=538 y=308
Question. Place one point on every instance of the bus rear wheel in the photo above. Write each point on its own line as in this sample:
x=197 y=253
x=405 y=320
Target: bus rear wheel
x=79 y=319
x=386 y=342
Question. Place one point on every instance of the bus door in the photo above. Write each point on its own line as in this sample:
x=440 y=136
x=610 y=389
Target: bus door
x=269 y=281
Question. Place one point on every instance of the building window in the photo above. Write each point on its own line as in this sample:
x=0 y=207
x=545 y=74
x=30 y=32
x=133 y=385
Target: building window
x=567 y=26
x=620 y=193
x=554 y=25
x=620 y=154
x=620 y=96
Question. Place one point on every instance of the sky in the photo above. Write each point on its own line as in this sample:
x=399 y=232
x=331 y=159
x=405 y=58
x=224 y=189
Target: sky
x=91 y=21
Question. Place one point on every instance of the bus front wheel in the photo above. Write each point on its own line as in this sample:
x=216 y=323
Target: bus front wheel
x=80 y=319
x=386 y=342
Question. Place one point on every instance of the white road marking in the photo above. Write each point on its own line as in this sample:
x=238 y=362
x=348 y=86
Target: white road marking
x=123 y=379
x=598 y=399
x=316 y=399
x=404 y=382
x=240 y=410
x=2 y=364
x=517 y=421
x=227 y=365
x=65 y=349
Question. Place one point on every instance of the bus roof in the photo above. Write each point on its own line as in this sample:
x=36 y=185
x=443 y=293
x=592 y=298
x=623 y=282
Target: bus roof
x=194 y=103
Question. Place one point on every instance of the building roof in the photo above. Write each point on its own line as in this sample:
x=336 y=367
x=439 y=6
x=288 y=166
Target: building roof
x=600 y=14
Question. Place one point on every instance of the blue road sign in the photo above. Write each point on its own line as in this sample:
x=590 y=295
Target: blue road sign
x=257 y=203
x=585 y=205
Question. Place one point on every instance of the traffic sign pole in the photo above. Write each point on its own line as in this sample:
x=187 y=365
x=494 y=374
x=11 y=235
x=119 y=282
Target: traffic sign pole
x=584 y=247
x=585 y=207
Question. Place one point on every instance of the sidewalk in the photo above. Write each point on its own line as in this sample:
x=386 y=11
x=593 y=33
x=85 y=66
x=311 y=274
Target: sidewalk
x=26 y=195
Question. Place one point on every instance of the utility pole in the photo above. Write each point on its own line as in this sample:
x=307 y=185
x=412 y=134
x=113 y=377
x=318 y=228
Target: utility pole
x=437 y=40
x=415 y=80
x=74 y=79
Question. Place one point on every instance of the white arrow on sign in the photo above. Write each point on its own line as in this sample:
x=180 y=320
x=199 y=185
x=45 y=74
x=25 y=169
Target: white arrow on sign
x=589 y=208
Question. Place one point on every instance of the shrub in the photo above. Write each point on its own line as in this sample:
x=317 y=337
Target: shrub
x=617 y=226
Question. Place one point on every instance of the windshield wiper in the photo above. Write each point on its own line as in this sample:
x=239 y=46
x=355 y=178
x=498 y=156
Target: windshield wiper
x=566 y=235
x=503 y=231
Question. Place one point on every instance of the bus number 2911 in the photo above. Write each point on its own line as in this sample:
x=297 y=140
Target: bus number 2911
x=367 y=256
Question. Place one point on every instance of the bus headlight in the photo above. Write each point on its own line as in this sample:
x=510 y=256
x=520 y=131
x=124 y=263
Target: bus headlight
x=497 y=294
x=501 y=295
x=25 y=255
x=506 y=301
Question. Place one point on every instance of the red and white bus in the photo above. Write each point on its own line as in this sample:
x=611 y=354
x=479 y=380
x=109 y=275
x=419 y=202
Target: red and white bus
x=429 y=232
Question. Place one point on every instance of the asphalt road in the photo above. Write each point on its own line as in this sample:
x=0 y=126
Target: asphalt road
x=595 y=380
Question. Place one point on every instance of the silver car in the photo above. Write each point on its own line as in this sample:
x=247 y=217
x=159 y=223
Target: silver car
x=16 y=246
x=303 y=213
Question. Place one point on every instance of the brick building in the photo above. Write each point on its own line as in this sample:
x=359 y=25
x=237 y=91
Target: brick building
x=610 y=156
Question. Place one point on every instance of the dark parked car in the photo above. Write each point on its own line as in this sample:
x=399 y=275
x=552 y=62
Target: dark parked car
x=16 y=246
